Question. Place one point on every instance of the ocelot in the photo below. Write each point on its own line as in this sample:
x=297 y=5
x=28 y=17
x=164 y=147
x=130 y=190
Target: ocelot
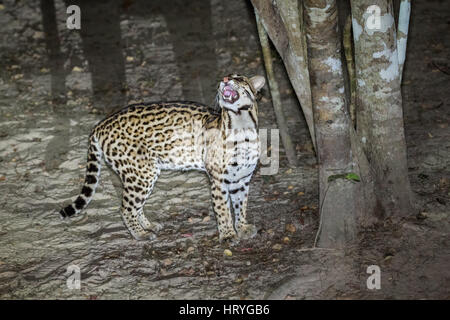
x=140 y=140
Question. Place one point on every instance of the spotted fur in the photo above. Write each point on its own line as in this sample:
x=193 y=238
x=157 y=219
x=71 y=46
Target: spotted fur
x=142 y=139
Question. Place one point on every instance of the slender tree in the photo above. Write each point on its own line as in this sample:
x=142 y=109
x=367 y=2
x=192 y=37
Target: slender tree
x=283 y=22
x=275 y=93
x=379 y=103
x=402 y=33
x=332 y=125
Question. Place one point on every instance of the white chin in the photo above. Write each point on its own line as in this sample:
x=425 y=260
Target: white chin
x=228 y=105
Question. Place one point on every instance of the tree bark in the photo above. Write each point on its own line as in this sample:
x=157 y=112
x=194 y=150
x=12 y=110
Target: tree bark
x=338 y=206
x=347 y=42
x=379 y=104
x=402 y=33
x=283 y=22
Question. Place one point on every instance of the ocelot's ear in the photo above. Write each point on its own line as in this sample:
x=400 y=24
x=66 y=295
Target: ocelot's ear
x=257 y=82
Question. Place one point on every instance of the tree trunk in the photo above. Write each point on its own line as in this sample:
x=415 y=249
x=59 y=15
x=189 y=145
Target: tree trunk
x=332 y=124
x=379 y=104
x=283 y=22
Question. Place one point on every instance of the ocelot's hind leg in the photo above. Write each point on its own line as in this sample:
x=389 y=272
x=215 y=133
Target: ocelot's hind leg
x=138 y=184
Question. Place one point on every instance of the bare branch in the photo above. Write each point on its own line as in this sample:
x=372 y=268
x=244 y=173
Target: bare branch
x=275 y=93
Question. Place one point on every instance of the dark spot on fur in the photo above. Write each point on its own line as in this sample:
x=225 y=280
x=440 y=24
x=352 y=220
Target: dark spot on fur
x=87 y=191
x=79 y=203
x=92 y=168
x=90 y=179
x=67 y=211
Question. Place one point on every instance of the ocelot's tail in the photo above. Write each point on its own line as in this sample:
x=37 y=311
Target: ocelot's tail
x=90 y=183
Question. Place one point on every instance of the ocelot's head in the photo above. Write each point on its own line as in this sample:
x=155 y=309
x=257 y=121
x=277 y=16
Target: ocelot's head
x=238 y=93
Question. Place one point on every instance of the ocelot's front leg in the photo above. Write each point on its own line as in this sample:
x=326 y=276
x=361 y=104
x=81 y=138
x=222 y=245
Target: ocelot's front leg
x=239 y=199
x=222 y=209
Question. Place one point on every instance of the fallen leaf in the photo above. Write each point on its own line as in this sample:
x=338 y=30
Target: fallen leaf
x=38 y=35
x=186 y=235
x=167 y=262
x=277 y=247
x=188 y=272
x=227 y=252
x=291 y=228
x=422 y=215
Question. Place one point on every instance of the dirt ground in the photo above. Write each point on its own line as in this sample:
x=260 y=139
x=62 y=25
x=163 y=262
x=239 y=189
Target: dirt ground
x=50 y=100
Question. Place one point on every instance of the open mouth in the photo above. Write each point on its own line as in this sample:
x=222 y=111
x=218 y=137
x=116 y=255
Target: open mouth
x=229 y=94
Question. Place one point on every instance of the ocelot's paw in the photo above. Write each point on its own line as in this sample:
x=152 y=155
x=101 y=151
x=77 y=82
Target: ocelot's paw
x=150 y=226
x=228 y=236
x=246 y=231
x=143 y=235
x=155 y=226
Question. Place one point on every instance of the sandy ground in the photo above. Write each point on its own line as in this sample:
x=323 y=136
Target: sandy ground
x=43 y=148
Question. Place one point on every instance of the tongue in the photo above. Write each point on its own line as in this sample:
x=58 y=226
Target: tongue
x=228 y=92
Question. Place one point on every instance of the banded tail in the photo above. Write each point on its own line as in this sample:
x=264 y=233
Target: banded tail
x=90 y=183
